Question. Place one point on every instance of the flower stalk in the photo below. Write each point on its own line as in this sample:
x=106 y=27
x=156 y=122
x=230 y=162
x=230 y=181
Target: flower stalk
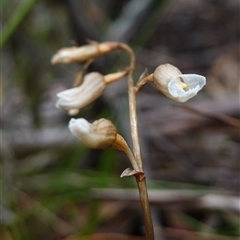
x=102 y=133
x=140 y=178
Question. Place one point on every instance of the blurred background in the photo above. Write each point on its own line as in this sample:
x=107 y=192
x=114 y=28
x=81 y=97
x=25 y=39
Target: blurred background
x=53 y=187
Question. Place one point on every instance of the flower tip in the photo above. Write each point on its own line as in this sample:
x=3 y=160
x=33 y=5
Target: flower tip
x=72 y=121
x=57 y=105
x=62 y=56
x=204 y=80
x=73 y=112
x=78 y=121
x=54 y=60
x=78 y=125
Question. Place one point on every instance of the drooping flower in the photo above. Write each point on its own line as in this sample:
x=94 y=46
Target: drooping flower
x=92 y=87
x=175 y=85
x=79 y=97
x=99 y=134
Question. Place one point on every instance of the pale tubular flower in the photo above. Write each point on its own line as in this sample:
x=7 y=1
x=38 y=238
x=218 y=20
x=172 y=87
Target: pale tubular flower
x=79 y=97
x=83 y=53
x=100 y=134
x=74 y=54
x=175 y=85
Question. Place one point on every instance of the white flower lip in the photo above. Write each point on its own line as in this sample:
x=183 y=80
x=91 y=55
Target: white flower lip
x=79 y=126
x=79 y=97
x=83 y=130
x=67 y=95
x=194 y=84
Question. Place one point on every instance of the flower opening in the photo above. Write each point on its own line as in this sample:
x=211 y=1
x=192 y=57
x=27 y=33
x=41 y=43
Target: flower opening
x=175 y=85
x=185 y=86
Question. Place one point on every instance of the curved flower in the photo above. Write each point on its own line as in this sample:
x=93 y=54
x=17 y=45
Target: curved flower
x=77 y=98
x=175 y=85
x=100 y=134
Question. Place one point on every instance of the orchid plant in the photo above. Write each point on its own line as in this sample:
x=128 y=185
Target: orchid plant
x=102 y=133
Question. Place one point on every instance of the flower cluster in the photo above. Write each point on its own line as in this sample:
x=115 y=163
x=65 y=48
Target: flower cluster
x=102 y=133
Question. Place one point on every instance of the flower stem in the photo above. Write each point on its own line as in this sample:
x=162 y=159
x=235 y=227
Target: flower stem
x=142 y=187
x=141 y=180
x=142 y=82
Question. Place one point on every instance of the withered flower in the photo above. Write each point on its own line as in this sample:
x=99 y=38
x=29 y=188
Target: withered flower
x=79 y=97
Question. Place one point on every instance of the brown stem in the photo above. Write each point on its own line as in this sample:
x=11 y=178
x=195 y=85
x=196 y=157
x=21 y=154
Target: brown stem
x=142 y=187
x=132 y=107
x=142 y=82
x=121 y=144
x=141 y=180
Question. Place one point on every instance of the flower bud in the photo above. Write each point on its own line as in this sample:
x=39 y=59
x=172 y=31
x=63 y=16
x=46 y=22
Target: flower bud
x=175 y=85
x=100 y=134
x=83 y=53
x=79 y=97
x=74 y=54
